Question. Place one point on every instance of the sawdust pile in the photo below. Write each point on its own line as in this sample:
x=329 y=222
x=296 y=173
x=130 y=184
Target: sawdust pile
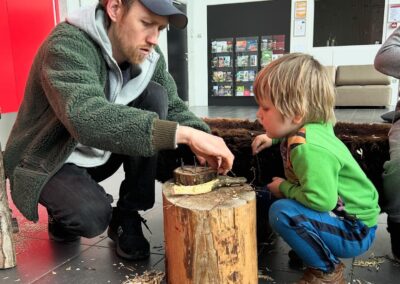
x=148 y=277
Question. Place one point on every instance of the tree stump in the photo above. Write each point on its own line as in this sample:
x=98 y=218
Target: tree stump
x=7 y=248
x=211 y=237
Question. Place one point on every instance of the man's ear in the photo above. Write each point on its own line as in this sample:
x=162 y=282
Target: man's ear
x=114 y=9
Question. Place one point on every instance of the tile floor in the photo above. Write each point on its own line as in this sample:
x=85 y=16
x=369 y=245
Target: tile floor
x=40 y=260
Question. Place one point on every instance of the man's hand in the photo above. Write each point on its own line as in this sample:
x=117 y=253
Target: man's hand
x=261 y=142
x=206 y=147
x=274 y=187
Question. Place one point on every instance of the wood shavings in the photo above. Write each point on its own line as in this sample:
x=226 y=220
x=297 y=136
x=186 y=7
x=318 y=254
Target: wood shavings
x=148 y=277
x=374 y=262
x=361 y=281
x=265 y=277
x=360 y=152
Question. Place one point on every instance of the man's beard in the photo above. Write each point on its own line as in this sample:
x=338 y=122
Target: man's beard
x=132 y=54
x=135 y=56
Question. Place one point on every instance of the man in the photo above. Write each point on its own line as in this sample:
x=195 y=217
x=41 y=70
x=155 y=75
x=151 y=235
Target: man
x=387 y=61
x=99 y=96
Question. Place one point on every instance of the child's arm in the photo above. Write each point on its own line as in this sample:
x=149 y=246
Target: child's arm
x=317 y=171
x=273 y=187
x=261 y=142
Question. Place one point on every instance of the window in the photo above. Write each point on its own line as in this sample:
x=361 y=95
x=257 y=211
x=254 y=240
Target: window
x=348 y=22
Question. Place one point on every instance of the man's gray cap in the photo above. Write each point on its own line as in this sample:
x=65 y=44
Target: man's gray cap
x=166 y=8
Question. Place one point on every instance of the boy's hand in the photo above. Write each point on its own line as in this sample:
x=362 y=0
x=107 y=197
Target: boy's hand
x=261 y=142
x=274 y=187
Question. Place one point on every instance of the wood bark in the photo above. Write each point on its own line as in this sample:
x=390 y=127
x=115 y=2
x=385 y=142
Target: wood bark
x=192 y=175
x=7 y=253
x=210 y=238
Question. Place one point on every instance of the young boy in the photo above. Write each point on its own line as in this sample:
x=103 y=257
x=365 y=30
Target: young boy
x=327 y=208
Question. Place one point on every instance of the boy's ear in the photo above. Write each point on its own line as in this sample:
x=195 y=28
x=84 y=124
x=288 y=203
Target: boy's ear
x=114 y=8
x=297 y=119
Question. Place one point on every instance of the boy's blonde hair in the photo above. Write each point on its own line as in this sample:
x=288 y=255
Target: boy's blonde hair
x=297 y=84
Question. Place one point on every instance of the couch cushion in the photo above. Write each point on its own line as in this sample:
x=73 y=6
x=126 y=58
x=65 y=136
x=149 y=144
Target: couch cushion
x=360 y=75
x=331 y=70
x=374 y=95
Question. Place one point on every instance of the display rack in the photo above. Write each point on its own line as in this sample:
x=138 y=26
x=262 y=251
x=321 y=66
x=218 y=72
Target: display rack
x=222 y=67
x=234 y=63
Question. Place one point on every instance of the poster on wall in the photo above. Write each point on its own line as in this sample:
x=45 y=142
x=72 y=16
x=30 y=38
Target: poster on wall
x=394 y=13
x=300 y=10
x=299 y=28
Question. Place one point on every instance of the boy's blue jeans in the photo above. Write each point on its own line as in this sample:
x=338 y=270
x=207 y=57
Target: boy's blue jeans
x=319 y=238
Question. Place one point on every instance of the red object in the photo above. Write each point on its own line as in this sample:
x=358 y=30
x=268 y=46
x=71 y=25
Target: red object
x=8 y=99
x=23 y=27
x=393 y=25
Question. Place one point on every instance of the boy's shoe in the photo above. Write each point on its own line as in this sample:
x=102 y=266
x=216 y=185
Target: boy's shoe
x=394 y=231
x=126 y=231
x=295 y=261
x=58 y=233
x=315 y=276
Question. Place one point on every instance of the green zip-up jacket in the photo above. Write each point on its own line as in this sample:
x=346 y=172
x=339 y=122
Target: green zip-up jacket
x=320 y=169
x=65 y=103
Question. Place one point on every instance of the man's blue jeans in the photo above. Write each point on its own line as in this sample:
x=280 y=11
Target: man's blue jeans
x=78 y=203
x=319 y=238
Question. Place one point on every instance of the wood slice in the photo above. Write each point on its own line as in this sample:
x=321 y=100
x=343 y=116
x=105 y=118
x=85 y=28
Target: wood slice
x=7 y=248
x=210 y=238
x=192 y=175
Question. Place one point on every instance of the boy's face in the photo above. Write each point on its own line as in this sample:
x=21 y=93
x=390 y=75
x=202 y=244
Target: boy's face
x=275 y=124
x=133 y=33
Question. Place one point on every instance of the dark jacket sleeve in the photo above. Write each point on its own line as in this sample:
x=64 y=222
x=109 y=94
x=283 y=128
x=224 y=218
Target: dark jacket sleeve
x=387 y=59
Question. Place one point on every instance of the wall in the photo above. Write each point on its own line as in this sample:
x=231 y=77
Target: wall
x=333 y=55
x=336 y=55
x=23 y=26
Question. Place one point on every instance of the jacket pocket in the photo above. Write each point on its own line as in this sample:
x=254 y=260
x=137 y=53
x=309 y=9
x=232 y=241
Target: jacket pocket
x=26 y=186
x=33 y=164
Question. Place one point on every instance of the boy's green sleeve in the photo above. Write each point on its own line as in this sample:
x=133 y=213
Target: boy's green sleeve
x=276 y=141
x=317 y=173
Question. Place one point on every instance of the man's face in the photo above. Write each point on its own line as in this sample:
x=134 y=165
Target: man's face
x=134 y=33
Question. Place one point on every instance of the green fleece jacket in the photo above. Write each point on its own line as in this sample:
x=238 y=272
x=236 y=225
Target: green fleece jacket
x=320 y=169
x=65 y=103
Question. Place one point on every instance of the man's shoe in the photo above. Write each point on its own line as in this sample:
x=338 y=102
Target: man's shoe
x=125 y=230
x=315 y=276
x=58 y=233
x=394 y=231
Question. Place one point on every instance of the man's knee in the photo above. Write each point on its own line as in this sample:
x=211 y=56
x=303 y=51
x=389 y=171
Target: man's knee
x=279 y=212
x=94 y=219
